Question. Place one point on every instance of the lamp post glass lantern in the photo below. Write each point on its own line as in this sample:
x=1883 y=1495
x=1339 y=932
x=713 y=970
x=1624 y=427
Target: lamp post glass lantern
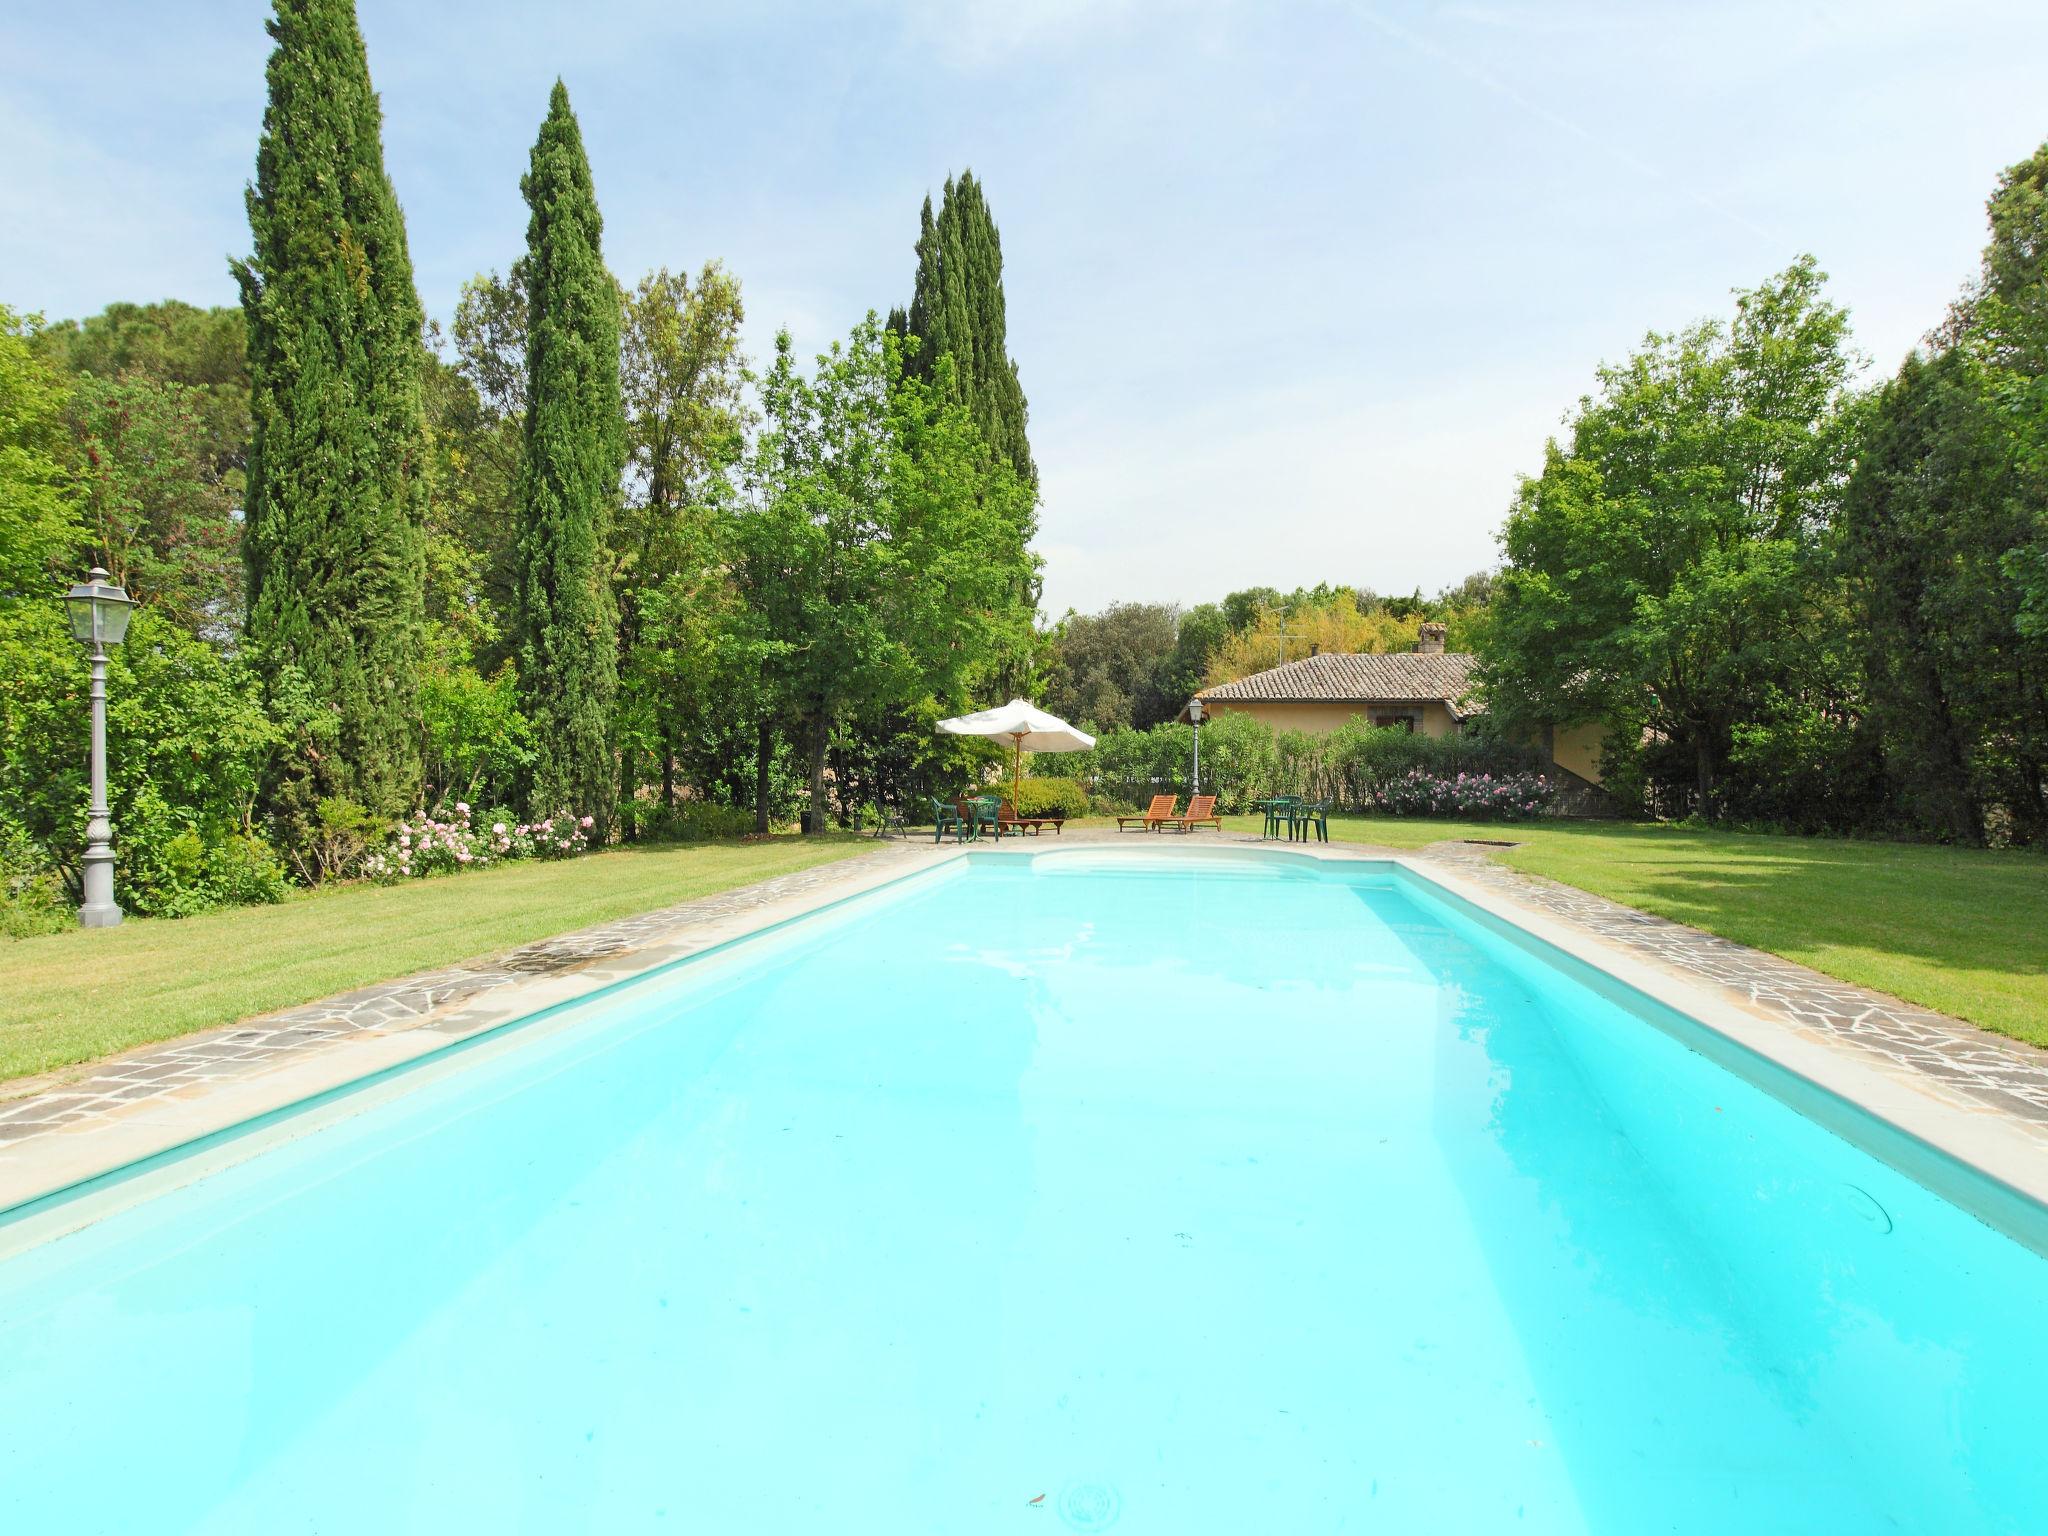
x=99 y=618
x=1195 y=713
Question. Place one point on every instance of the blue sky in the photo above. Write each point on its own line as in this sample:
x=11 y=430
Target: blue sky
x=1296 y=290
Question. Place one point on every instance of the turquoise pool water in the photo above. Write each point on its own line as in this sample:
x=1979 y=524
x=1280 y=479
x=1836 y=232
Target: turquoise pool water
x=1183 y=1196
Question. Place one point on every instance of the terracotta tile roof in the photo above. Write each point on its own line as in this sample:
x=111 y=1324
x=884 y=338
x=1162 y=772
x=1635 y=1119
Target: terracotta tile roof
x=1401 y=677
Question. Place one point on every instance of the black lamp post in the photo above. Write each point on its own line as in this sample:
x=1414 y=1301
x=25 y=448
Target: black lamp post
x=1195 y=719
x=99 y=618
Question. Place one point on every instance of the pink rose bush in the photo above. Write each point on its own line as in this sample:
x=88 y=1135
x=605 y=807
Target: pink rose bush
x=1481 y=796
x=450 y=838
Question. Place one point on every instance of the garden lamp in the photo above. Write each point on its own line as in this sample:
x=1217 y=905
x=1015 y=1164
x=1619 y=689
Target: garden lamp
x=99 y=618
x=1195 y=719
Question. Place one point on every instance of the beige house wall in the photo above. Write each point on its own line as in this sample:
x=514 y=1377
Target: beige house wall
x=1321 y=719
x=1576 y=748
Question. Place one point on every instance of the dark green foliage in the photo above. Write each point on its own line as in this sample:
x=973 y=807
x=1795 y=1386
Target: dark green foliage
x=337 y=478
x=1666 y=572
x=159 y=510
x=575 y=452
x=881 y=558
x=159 y=416
x=479 y=747
x=174 y=342
x=188 y=743
x=41 y=536
x=688 y=672
x=687 y=821
x=957 y=310
x=1958 y=693
x=1108 y=667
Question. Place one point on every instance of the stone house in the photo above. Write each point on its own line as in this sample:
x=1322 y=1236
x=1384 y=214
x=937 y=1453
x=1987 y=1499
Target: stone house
x=1428 y=689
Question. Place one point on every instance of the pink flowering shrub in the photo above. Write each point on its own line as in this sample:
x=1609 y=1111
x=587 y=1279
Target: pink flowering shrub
x=1481 y=796
x=451 y=838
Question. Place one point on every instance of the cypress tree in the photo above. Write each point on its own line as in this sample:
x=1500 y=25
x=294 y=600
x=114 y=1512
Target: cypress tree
x=569 y=473
x=334 y=540
x=957 y=308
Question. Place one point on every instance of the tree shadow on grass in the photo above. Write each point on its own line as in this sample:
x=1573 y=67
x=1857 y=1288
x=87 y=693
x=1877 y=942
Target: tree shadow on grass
x=1942 y=909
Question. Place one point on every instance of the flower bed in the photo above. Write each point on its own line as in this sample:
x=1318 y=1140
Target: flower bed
x=1481 y=796
x=441 y=842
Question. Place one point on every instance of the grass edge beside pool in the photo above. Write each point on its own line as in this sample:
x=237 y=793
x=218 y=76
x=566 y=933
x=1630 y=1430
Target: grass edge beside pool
x=1963 y=931
x=80 y=996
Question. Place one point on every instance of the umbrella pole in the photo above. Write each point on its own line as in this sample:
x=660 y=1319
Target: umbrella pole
x=1017 y=776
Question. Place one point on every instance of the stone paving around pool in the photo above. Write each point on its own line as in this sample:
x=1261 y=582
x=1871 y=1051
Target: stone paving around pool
x=1960 y=1063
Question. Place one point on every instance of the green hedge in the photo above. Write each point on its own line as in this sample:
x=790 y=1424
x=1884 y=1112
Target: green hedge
x=1050 y=797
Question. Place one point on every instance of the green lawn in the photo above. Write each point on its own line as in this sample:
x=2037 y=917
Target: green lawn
x=73 y=997
x=1960 y=930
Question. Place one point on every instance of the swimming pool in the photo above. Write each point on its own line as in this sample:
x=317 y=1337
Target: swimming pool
x=1075 y=1193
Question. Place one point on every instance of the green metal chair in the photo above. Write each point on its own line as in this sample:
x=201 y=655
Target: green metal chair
x=945 y=814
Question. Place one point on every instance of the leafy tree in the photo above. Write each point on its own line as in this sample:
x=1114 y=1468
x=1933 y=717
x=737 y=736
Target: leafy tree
x=1109 y=666
x=39 y=528
x=173 y=341
x=161 y=514
x=188 y=745
x=204 y=353
x=881 y=549
x=684 y=381
x=490 y=341
x=1287 y=632
x=1944 y=537
x=569 y=481
x=337 y=468
x=477 y=408
x=957 y=310
x=687 y=683
x=1665 y=571
x=472 y=573
x=479 y=747
x=159 y=416
x=1201 y=632
x=2004 y=322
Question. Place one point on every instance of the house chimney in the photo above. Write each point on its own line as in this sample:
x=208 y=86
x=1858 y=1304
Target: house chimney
x=1429 y=640
x=1315 y=648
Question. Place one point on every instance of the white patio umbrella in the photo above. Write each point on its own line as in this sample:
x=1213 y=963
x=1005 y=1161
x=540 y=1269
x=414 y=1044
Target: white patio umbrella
x=1025 y=728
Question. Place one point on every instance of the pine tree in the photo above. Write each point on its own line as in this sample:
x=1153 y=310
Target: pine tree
x=334 y=540
x=569 y=476
x=957 y=309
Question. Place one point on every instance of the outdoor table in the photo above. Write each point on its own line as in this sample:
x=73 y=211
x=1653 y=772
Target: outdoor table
x=1277 y=808
x=983 y=811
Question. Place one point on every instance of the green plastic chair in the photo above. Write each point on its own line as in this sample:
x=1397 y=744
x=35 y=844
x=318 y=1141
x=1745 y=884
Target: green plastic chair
x=1307 y=818
x=1278 y=809
x=946 y=814
x=985 y=811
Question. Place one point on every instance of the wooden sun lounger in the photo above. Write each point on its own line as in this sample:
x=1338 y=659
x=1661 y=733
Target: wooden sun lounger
x=1158 y=813
x=1201 y=813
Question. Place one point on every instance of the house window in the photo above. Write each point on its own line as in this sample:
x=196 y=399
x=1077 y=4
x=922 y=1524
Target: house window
x=1397 y=719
